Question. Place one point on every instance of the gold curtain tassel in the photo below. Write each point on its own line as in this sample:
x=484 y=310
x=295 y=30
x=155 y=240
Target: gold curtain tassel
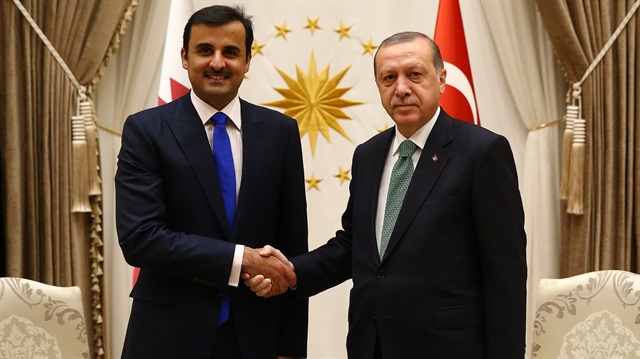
x=575 y=203
x=80 y=183
x=87 y=109
x=571 y=115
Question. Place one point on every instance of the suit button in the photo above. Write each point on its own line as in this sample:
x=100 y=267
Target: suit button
x=380 y=274
x=374 y=319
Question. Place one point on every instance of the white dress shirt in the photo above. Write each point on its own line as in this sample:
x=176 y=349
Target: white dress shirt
x=234 y=130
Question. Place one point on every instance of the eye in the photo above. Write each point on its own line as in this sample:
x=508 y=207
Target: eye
x=415 y=75
x=231 y=52
x=388 y=78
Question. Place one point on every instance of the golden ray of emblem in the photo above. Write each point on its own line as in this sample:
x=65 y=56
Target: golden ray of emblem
x=315 y=101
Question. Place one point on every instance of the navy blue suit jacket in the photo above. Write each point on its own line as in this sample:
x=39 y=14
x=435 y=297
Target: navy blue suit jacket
x=171 y=223
x=452 y=283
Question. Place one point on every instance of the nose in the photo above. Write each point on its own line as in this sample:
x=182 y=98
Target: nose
x=217 y=61
x=402 y=87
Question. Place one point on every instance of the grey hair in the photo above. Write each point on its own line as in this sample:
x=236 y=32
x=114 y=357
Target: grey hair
x=408 y=36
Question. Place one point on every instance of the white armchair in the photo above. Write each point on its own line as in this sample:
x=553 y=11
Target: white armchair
x=592 y=315
x=41 y=321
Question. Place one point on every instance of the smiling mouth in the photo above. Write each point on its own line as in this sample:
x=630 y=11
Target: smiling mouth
x=215 y=76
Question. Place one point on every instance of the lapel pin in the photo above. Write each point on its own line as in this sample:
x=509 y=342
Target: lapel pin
x=435 y=158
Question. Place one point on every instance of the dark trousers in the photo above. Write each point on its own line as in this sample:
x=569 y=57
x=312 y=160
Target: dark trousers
x=226 y=344
x=377 y=353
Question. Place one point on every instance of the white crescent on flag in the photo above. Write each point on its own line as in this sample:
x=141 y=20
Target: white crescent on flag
x=457 y=79
x=459 y=98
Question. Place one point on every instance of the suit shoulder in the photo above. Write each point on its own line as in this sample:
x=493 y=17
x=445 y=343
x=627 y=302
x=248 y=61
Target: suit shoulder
x=154 y=113
x=379 y=139
x=474 y=129
x=374 y=145
x=472 y=133
x=266 y=113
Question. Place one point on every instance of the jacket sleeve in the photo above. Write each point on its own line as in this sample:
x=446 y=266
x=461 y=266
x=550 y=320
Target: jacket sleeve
x=498 y=218
x=330 y=264
x=292 y=240
x=149 y=219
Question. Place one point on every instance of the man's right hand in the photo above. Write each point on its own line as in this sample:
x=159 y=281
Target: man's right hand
x=267 y=271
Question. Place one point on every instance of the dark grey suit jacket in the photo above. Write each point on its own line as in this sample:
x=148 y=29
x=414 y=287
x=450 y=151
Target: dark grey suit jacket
x=171 y=223
x=452 y=283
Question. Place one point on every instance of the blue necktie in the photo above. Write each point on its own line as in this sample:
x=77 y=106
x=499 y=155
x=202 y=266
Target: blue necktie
x=224 y=163
x=227 y=175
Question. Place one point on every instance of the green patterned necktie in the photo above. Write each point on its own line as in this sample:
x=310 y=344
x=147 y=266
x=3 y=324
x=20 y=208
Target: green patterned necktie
x=400 y=178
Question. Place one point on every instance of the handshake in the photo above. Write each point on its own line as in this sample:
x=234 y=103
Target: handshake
x=267 y=272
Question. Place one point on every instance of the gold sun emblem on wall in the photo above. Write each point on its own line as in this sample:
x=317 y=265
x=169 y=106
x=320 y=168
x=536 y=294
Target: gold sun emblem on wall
x=315 y=101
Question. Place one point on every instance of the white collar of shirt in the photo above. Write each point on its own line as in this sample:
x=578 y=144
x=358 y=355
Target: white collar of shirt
x=206 y=111
x=419 y=138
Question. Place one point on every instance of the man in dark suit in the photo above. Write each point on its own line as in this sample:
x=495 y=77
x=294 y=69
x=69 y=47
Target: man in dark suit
x=176 y=224
x=447 y=279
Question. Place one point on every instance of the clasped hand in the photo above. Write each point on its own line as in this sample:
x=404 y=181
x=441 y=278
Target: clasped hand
x=267 y=272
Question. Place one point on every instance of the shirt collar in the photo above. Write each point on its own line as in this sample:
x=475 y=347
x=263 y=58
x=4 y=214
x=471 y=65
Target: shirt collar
x=206 y=111
x=419 y=138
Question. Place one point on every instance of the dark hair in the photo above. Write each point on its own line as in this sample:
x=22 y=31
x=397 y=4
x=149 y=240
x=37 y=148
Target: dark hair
x=217 y=15
x=409 y=36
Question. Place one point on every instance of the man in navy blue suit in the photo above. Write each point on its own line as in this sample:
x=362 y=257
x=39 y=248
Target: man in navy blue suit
x=190 y=243
x=447 y=278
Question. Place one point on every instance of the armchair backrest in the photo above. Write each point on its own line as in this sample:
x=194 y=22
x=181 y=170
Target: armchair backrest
x=591 y=315
x=41 y=321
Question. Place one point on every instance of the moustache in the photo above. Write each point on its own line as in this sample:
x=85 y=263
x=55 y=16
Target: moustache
x=212 y=72
x=404 y=101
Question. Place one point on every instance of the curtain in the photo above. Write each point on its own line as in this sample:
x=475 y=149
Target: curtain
x=129 y=85
x=532 y=76
x=45 y=240
x=606 y=234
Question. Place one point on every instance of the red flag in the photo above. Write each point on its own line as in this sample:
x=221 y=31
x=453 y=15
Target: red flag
x=459 y=98
x=174 y=81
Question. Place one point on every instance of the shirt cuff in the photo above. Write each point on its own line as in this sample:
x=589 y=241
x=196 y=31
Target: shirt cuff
x=236 y=268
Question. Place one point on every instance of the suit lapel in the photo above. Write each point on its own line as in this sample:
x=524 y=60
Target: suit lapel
x=372 y=187
x=424 y=177
x=254 y=146
x=192 y=138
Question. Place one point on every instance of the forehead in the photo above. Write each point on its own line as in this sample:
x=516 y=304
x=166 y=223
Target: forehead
x=402 y=54
x=231 y=34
